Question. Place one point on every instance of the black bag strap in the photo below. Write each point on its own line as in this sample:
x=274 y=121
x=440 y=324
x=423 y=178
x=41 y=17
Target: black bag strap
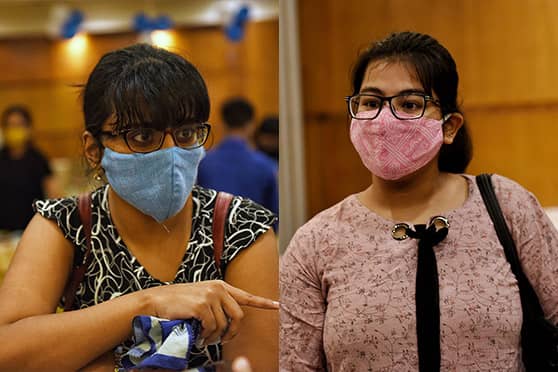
x=529 y=299
x=222 y=203
x=84 y=207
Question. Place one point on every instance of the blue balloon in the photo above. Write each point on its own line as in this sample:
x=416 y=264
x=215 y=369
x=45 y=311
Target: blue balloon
x=242 y=16
x=141 y=22
x=235 y=29
x=144 y=23
x=162 y=22
x=234 y=32
x=72 y=24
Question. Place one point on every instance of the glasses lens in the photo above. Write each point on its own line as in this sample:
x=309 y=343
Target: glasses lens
x=409 y=106
x=365 y=107
x=190 y=136
x=144 y=139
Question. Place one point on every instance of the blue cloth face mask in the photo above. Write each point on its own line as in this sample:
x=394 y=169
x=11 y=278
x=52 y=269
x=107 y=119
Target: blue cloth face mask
x=157 y=183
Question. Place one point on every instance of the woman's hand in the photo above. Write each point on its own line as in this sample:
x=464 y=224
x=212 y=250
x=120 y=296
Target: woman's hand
x=215 y=303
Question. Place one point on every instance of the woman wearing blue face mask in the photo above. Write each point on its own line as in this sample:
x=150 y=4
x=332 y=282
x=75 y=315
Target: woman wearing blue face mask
x=409 y=274
x=152 y=241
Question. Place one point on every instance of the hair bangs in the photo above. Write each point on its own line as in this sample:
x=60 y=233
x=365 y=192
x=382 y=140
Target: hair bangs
x=153 y=94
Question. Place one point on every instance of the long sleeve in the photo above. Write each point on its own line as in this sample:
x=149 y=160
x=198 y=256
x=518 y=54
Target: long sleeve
x=302 y=307
x=537 y=242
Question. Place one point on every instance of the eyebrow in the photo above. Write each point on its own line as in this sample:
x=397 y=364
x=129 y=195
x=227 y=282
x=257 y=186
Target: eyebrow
x=380 y=92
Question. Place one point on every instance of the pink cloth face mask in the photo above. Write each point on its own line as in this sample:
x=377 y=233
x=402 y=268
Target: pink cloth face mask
x=392 y=148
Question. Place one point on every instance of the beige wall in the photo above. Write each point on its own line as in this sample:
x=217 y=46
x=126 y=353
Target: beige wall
x=506 y=53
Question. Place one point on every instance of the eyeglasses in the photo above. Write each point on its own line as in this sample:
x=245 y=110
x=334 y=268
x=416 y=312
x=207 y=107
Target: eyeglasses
x=143 y=140
x=404 y=106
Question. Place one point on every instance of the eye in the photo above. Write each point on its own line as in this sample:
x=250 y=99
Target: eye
x=141 y=136
x=187 y=135
x=369 y=102
x=410 y=103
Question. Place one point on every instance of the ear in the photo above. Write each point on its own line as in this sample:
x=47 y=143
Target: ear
x=91 y=149
x=452 y=126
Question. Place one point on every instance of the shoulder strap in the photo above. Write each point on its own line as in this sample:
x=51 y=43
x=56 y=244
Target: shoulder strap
x=222 y=203
x=84 y=206
x=528 y=295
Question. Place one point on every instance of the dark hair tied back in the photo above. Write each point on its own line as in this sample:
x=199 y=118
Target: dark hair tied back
x=437 y=72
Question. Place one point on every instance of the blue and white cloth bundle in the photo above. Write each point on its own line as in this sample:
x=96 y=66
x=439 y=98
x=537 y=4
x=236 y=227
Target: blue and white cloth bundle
x=162 y=343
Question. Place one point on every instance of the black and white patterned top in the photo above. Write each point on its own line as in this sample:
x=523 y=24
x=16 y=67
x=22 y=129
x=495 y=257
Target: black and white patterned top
x=114 y=271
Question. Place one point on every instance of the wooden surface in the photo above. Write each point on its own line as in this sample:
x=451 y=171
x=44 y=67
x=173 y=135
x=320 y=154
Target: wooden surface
x=506 y=53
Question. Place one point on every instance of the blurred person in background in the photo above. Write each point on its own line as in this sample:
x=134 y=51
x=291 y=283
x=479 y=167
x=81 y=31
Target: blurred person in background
x=266 y=137
x=234 y=166
x=25 y=171
x=152 y=246
x=409 y=274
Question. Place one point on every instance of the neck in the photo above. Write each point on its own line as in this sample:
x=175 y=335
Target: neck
x=404 y=198
x=138 y=226
x=240 y=133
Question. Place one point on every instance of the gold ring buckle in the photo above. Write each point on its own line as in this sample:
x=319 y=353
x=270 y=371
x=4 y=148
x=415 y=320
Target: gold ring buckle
x=439 y=222
x=399 y=231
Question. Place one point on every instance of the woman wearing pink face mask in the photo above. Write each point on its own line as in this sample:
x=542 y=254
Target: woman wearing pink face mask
x=409 y=274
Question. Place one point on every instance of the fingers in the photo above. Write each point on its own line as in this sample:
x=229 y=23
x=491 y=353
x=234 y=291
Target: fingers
x=221 y=324
x=223 y=310
x=208 y=321
x=235 y=314
x=248 y=299
x=215 y=303
x=227 y=312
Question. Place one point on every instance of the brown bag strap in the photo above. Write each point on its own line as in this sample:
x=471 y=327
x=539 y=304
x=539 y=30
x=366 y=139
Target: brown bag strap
x=84 y=206
x=222 y=203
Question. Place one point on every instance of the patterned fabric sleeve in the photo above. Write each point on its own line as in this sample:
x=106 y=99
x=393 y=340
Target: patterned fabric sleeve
x=536 y=239
x=303 y=305
x=246 y=221
x=66 y=215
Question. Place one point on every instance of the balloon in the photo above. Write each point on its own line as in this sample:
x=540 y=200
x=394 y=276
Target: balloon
x=72 y=24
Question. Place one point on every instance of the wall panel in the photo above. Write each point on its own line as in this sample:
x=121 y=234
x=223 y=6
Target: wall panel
x=40 y=73
x=506 y=53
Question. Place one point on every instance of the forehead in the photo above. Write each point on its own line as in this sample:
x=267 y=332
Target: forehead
x=391 y=77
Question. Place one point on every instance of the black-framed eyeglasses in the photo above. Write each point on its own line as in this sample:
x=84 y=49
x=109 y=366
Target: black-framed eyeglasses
x=143 y=140
x=407 y=106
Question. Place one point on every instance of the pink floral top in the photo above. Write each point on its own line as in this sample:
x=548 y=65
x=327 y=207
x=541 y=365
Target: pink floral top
x=348 y=288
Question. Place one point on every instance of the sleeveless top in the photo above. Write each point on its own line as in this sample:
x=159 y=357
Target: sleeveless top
x=114 y=271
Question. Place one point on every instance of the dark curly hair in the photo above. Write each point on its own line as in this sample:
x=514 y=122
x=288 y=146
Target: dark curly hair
x=436 y=70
